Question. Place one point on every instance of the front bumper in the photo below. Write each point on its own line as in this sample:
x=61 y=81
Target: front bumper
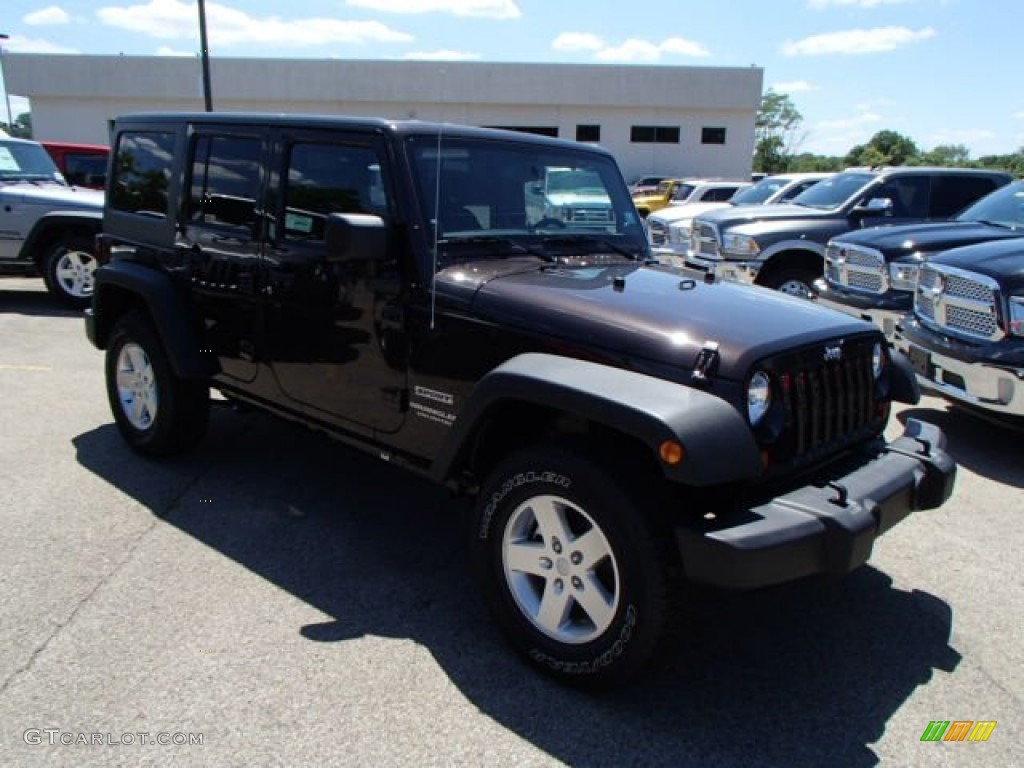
x=829 y=526
x=999 y=389
x=881 y=309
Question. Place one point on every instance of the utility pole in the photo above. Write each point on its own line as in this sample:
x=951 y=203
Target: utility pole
x=7 y=94
x=205 y=53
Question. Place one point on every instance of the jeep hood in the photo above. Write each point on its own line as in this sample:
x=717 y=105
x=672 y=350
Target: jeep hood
x=927 y=238
x=53 y=195
x=630 y=312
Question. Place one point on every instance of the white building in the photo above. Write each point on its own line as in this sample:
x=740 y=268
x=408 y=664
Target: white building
x=682 y=121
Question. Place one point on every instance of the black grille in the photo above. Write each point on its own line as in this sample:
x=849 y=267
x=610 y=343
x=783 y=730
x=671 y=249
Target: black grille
x=828 y=403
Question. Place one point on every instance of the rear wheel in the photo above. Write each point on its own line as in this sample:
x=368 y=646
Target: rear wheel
x=68 y=270
x=157 y=412
x=572 y=566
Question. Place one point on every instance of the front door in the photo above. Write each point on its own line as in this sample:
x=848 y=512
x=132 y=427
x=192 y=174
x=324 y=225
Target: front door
x=334 y=332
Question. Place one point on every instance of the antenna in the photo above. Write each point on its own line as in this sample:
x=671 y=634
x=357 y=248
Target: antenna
x=437 y=202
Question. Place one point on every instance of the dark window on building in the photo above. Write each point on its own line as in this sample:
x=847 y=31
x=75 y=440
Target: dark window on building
x=588 y=133
x=654 y=134
x=329 y=178
x=712 y=135
x=540 y=130
x=225 y=181
x=951 y=194
x=142 y=167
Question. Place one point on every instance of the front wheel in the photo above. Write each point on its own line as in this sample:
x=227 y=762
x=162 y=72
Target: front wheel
x=68 y=270
x=792 y=281
x=571 y=565
x=157 y=412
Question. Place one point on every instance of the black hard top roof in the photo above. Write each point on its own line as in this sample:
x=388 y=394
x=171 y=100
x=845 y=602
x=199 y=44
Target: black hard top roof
x=398 y=128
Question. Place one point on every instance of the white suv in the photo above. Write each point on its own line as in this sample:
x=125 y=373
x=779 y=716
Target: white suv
x=669 y=228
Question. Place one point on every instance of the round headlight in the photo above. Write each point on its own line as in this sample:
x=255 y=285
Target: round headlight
x=877 y=360
x=759 y=397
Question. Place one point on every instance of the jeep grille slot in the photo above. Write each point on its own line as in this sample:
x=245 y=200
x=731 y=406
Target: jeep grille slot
x=828 y=403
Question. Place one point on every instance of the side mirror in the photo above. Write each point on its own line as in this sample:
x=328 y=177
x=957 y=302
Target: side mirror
x=355 y=236
x=876 y=206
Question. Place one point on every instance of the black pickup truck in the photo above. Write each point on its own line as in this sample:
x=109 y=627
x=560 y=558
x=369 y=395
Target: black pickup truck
x=401 y=286
x=872 y=273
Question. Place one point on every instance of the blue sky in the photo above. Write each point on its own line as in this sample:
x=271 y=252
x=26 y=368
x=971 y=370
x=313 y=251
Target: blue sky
x=939 y=71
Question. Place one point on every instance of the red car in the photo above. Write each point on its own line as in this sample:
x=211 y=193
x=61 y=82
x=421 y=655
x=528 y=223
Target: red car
x=83 y=165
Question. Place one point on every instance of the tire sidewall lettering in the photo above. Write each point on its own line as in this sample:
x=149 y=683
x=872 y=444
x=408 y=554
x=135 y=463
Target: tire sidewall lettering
x=518 y=480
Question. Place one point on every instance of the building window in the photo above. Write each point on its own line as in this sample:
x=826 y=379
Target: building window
x=712 y=135
x=654 y=134
x=540 y=130
x=588 y=133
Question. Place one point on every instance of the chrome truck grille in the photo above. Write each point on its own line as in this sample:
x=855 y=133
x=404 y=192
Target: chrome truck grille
x=958 y=302
x=859 y=269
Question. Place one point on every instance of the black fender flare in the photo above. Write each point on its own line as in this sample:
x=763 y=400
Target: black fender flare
x=904 y=387
x=173 y=318
x=717 y=442
x=56 y=223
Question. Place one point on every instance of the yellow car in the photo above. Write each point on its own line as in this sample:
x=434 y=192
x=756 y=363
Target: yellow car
x=655 y=201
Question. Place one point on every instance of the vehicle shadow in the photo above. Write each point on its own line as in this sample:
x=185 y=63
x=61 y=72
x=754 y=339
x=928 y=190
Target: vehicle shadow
x=977 y=442
x=807 y=674
x=33 y=303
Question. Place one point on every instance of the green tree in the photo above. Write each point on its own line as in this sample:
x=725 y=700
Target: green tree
x=947 y=155
x=776 y=132
x=884 y=148
x=22 y=127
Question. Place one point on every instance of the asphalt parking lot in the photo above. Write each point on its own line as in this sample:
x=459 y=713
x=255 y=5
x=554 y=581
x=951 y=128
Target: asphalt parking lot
x=294 y=602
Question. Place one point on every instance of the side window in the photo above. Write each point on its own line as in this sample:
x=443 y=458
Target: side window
x=330 y=178
x=142 y=170
x=796 y=190
x=951 y=194
x=909 y=195
x=225 y=181
x=85 y=169
x=718 y=194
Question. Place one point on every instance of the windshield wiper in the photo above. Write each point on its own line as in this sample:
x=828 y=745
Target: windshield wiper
x=513 y=246
x=575 y=239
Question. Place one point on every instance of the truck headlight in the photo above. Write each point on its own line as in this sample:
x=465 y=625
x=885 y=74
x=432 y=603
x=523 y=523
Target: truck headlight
x=1017 y=315
x=759 y=397
x=740 y=245
x=903 y=275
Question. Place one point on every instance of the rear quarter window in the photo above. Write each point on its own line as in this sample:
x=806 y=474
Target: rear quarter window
x=951 y=194
x=142 y=172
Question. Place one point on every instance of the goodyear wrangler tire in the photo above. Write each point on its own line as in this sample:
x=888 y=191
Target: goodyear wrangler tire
x=157 y=413
x=571 y=567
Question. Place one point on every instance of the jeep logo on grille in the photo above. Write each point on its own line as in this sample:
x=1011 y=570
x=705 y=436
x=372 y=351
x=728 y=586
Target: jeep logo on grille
x=833 y=353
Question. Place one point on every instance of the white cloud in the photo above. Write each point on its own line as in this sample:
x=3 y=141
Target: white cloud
x=845 y=123
x=442 y=56
x=969 y=136
x=632 y=49
x=34 y=45
x=856 y=41
x=794 y=86
x=176 y=20
x=577 y=41
x=491 y=9
x=1019 y=115
x=44 y=16
x=856 y=3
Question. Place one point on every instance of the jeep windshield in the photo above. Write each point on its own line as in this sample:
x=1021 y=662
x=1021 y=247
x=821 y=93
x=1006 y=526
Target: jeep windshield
x=25 y=161
x=1002 y=208
x=830 y=194
x=523 y=196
